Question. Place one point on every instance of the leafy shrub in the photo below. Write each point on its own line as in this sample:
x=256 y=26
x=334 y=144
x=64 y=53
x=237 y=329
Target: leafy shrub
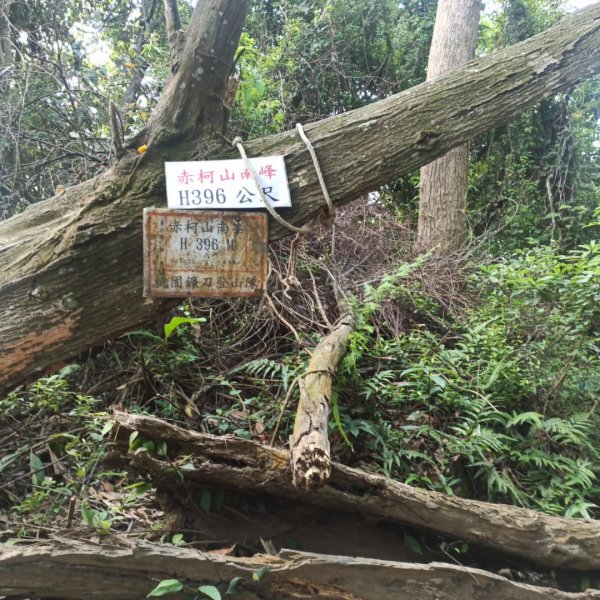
x=64 y=436
x=499 y=406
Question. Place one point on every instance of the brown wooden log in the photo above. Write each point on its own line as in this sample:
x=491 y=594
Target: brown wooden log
x=545 y=540
x=71 y=267
x=309 y=443
x=122 y=569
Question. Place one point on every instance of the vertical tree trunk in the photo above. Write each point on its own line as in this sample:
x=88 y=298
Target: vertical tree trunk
x=443 y=194
x=7 y=152
x=5 y=40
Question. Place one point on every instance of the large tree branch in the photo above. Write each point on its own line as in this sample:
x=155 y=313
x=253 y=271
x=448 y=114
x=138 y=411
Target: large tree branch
x=241 y=464
x=193 y=96
x=71 y=267
x=124 y=569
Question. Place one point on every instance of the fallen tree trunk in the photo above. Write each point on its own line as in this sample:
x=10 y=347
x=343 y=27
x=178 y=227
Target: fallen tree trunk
x=71 y=267
x=234 y=463
x=311 y=453
x=122 y=569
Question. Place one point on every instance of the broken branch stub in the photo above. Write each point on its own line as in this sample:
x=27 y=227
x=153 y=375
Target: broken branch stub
x=309 y=443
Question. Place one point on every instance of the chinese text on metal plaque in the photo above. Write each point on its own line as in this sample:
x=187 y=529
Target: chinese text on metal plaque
x=204 y=253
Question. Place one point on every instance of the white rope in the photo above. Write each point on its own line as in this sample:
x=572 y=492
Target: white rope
x=291 y=278
x=237 y=142
x=313 y=155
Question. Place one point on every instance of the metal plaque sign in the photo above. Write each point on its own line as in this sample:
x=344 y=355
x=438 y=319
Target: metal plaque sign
x=204 y=254
x=226 y=184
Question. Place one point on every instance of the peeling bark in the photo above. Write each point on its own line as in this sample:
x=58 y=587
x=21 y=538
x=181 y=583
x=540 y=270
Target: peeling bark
x=547 y=541
x=311 y=454
x=71 y=267
x=118 y=568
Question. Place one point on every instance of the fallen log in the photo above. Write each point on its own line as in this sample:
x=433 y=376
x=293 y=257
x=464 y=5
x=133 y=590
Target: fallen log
x=544 y=540
x=71 y=267
x=309 y=443
x=122 y=569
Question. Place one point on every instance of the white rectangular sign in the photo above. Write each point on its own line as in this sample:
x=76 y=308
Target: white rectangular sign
x=222 y=184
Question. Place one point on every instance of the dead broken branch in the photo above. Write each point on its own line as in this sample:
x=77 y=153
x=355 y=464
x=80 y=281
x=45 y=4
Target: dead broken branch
x=311 y=455
x=118 y=568
x=545 y=540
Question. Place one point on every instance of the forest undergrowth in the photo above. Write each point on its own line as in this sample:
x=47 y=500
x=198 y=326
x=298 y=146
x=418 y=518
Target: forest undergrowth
x=471 y=375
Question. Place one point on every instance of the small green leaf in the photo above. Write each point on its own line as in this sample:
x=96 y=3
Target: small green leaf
x=7 y=460
x=439 y=381
x=149 y=445
x=187 y=467
x=86 y=514
x=144 y=333
x=177 y=539
x=132 y=437
x=412 y=544
x=37 y=469
x=175 y=322
x=233 y=589
x=137 y=490
x=69 y=370
x=211 y=591
x=107 y=427
x=166 y=586
x=257 y=575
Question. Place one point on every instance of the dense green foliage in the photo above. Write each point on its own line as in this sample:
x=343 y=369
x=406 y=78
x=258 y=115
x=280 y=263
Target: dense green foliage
x=501 y=401
x=302 y=61
x=63 y=463
x=538 y=176
x=69 y=60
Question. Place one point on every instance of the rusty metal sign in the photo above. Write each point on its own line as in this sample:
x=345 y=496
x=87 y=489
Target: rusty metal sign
x=218 y=254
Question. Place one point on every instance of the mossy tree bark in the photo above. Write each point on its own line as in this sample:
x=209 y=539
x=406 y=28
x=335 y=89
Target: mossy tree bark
x=71 y=267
